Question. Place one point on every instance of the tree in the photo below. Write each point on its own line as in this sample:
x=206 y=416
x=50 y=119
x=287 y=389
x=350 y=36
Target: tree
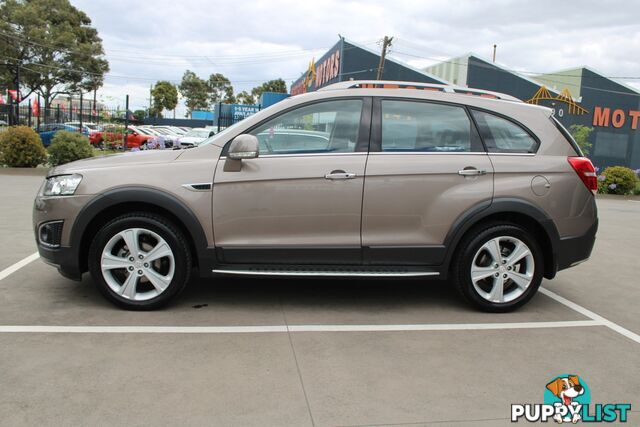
x=220 y=89
x=165 y=97
x=246 y=98
x=53 y=45
x=139 y=115
x=278 y=85
x=195 y=91
x=581 y=134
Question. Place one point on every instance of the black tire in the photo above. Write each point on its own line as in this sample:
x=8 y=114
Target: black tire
x=162 y=227
x=471 y=244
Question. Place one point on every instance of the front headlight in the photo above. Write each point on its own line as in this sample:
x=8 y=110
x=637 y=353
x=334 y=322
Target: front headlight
x=61 y=185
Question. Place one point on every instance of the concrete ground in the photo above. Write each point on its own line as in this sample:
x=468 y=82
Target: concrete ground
x=456 y=367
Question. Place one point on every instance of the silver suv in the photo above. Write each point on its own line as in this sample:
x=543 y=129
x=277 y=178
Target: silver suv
x=359 y=179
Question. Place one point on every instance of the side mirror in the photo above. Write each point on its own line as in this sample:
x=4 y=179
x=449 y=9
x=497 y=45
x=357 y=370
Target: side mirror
x=244 y=147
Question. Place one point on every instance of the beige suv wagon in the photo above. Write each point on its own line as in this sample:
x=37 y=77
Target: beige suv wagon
x=359 y=179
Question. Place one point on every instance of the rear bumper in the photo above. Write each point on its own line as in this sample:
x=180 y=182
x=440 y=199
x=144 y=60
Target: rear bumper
x=574 y=250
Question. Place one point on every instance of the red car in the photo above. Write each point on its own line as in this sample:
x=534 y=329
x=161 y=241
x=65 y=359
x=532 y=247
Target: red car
x=113 y=134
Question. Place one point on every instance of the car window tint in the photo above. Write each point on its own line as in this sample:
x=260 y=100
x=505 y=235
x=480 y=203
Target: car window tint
x=324 y=127
x=504 y=136
x=427 y=127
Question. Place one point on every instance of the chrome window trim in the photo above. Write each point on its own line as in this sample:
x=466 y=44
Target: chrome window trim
x=355 y=153
x=426 y=153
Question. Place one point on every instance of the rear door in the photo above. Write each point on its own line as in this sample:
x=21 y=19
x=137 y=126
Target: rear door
x=426 y=168
x=300 y=201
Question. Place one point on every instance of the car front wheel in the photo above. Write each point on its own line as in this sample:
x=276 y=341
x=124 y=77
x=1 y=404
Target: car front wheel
x=140 y=261
x=498 y=268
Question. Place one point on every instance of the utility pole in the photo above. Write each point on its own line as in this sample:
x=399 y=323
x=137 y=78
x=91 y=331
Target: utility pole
x=386 y=43
x=150 y=96
x=80 y=116
x=494 y=52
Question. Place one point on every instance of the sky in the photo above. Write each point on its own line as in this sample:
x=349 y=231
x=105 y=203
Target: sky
x=254 y=41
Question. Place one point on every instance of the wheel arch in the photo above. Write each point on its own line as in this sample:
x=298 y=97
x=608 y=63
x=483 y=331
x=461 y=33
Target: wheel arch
x=113 y=203
x=509 y=210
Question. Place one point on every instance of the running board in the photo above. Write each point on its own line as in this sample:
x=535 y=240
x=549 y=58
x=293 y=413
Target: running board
x=325 y=271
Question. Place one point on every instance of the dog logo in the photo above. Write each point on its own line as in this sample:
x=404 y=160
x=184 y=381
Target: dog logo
x=567 y=389
x=567 y=399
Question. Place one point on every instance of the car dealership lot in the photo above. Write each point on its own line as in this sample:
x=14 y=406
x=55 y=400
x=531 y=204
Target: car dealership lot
x=304 y=352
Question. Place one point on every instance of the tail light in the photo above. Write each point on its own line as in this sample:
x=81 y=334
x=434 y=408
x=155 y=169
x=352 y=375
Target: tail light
x=585 y=170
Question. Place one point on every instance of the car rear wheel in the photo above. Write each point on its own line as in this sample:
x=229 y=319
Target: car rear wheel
x=140 y=261
x=498 y=267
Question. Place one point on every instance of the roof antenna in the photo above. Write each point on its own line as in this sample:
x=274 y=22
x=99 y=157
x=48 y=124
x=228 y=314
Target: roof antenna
x=494 y=52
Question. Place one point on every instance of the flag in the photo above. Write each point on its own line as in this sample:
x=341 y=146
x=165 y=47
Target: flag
x=1 y=100
x=62 y=107
x=35 y=108
x=14 y=95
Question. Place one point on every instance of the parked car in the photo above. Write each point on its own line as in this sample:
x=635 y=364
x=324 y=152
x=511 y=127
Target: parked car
x=48 y=131
x=93 y=130
x=170 y=138
x=114 y=133
x=352 y=180
x=194 y=137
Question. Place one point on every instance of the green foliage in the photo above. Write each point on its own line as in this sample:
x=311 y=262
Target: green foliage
x=581 y=134
x=636 y=191
x=195 y=91
x=21 y=147
x=68 y=147
x=617 y=180
x=278 y=85
x=139 y=115
x=165 y=97
x=246 y=98
x=220 y=89
x=58 y=49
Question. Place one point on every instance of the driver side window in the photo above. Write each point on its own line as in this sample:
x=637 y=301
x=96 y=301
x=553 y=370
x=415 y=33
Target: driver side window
x=324 y=127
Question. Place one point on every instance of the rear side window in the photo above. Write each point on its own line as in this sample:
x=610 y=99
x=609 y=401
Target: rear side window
x=427 y=127
x=504 y=136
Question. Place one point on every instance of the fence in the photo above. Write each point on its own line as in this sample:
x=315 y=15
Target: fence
x=24 y=115
x=61 y=113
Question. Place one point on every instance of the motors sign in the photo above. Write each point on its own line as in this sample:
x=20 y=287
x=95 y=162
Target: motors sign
x=318 y=75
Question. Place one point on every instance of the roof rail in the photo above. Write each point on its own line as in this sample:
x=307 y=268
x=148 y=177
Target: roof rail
x=388 y=84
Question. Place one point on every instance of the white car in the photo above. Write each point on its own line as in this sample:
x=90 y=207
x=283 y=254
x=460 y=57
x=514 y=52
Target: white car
x=194 y=137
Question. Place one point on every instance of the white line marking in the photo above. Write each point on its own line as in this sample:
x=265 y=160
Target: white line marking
x=18 y=265
x=590 y=314
x=291 y=328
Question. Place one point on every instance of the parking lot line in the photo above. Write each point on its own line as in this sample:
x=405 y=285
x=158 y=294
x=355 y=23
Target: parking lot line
x=590 y=314
x=18 y=265
x=290 y=328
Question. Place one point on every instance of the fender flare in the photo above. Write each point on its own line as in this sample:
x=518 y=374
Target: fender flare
x=138 y=194
x=504 y=205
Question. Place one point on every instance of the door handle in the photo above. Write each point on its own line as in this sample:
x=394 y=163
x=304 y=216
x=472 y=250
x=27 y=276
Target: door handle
x=339 y=174
x=472 y=172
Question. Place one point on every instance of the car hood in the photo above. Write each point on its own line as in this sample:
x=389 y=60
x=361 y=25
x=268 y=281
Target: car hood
x=191 y=139
x=131 y=158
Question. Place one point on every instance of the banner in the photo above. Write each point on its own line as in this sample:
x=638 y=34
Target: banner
x=14 y=95
x=35 y=108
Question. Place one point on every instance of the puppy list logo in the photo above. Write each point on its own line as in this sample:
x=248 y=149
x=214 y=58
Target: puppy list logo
x=567 y=399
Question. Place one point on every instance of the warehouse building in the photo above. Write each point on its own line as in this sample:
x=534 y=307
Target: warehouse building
x=347 y=60
x=580 y=96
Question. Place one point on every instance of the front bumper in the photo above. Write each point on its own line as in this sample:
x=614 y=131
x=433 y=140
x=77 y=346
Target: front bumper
x=574 y=250
x=64 y=258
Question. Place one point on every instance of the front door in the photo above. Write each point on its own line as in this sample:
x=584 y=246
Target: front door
x=300 y=201
x=427 y=167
